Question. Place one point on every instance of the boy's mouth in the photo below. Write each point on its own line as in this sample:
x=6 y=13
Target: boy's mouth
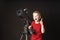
x=35 y=19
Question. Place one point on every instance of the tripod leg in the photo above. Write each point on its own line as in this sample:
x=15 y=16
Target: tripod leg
x=21 y=36
x=26 y=37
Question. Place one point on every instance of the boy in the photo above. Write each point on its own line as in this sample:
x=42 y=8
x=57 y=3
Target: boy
x=37 y=26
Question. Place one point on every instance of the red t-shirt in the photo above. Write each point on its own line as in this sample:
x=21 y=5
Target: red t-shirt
x=37 y=28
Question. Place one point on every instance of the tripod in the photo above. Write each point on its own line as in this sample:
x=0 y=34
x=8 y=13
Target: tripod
x=25 y=31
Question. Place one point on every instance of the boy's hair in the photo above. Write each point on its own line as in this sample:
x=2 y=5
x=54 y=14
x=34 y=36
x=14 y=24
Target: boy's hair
x=37 y=12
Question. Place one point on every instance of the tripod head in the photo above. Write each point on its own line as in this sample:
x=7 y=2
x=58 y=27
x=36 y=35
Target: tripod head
x=24 y=15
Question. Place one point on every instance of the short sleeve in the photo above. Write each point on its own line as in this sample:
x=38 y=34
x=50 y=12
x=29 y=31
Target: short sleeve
x=32 y=24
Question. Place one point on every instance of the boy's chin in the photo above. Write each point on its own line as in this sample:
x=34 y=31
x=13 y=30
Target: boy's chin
x=36 y=20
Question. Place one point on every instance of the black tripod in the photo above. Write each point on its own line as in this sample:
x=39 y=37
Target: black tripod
x=25 y=31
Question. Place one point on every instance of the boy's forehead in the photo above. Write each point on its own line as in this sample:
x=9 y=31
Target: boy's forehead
x=36 y=14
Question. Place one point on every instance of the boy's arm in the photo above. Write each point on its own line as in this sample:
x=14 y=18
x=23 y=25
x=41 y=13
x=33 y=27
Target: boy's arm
x=30 y=29
x=42 y=27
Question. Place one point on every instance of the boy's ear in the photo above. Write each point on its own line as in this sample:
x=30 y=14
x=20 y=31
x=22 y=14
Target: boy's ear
x=40 y=17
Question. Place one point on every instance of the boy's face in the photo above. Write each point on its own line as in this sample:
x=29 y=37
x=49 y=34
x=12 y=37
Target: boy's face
x=36 y=17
